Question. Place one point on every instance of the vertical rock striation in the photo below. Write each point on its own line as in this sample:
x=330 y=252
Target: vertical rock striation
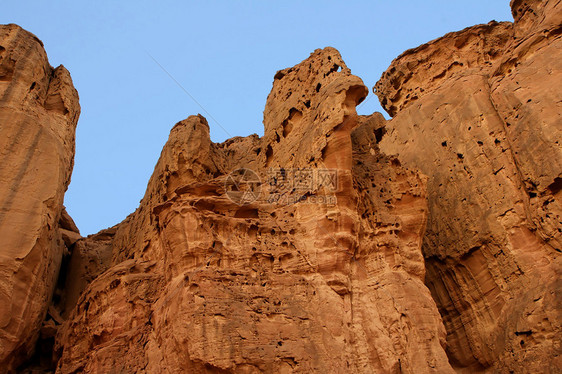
x=479 y=112
x=307 y=277
x=319 y=247
x=38 y=114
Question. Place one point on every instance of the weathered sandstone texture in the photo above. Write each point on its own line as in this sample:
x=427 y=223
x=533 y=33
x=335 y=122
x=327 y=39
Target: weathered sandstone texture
x=38 y=114
x=479 y=112
x=335 y=243
x=198 y=283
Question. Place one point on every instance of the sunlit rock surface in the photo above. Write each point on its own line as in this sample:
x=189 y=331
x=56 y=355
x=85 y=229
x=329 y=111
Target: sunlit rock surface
x=335 y=243
x=38 y=114
x=479 y=112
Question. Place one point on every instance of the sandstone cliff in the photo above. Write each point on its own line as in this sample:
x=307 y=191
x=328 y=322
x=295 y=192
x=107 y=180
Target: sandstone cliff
x=38 y=114
x=321 y=278
x=479 y=112
x=334 y=243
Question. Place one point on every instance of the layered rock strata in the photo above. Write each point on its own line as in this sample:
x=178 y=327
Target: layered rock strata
x=334 y=243
x=308 y=275
x=38 y=114
x=479 y=112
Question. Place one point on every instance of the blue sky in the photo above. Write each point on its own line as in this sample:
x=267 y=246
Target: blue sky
x=224 y=53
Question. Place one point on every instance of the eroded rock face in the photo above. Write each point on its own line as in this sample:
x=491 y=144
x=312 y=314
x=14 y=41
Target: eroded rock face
x=38 y=114
x=479 y=112
x=309 y=277
x=319 y=247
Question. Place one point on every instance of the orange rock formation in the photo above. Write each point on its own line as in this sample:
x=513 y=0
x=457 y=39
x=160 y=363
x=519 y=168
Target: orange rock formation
x=201 y=283
x=335 y=243
x=38 y=114
x=479 y=113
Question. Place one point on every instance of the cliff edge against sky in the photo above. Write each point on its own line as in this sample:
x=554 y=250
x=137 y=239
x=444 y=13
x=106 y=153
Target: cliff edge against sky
x=334 y=243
